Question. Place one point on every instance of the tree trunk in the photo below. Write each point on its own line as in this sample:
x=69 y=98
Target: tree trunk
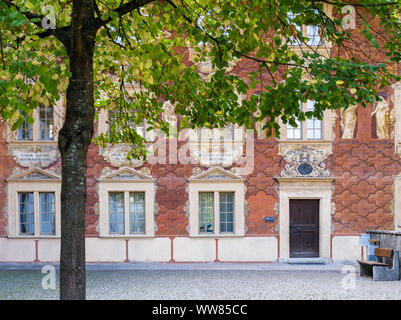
x=74 y=139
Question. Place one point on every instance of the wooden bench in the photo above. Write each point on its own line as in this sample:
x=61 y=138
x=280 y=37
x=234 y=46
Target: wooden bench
x=380 y=270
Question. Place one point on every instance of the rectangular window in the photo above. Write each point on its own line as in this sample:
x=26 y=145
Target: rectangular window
x=116 y=212
x=312 y=32
x=294 y=40
x=226 y=211
x=137 y=212
x=46 y=123
x=139 y=128
x=47 y=213
x=25 y=131
x=314 y=125
x=206 y=212
x=26 y=213
x=294 y=133
x=227 y=133
x=205 y=134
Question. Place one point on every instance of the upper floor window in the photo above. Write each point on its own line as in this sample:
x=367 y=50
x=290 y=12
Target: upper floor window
x=41 y=129
x=114 y=121
x=46 y=123
x=208 y=134
x=26 y=131
x=310 y=129
x=311 y=32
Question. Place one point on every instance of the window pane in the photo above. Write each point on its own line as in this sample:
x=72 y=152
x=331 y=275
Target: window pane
x=137 y=212
x=26 y=214
x=205 y=134
x=115 y=120
x=46 y=124
x=314 y=125
x=226 y=211
x=47 y=213
x=227 y=133
x=116 y=212
x=206 y=211
x=312 y=32
x=25 y=131
x=294 y=133
x=293 y=40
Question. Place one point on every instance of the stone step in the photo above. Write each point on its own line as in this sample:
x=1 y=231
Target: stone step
x=306 y=260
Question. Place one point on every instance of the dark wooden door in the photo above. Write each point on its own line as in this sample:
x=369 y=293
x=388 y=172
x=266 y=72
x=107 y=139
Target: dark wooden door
x=304 y=228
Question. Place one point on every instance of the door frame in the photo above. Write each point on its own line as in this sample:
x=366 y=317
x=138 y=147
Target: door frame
x=306 y=188
x=318 y=223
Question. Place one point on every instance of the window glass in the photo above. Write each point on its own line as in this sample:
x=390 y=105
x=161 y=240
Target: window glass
x=25 y=131
x=139 y=128
x=46 y=123
x=116 y=212
x=26 y=213
x=294 y=133
x=312 y=32
x=137 y=212
x=314 y=125
x=226 y=211
x=47 y=213
x=206 y=212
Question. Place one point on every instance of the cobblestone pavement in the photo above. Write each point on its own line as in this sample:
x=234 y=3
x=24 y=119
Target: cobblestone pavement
x=207 y=284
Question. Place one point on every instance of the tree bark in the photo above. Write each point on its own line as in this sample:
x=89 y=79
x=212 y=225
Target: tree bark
x=74 y=139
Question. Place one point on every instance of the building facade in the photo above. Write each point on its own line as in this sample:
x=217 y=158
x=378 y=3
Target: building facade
x=223 y=195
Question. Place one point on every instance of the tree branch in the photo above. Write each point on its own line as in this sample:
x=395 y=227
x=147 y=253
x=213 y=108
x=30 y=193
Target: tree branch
x=122 y=10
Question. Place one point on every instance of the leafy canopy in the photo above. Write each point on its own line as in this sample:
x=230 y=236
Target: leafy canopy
x=141 y=60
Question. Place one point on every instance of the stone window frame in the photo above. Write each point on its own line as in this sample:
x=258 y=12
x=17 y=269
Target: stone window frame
x=140 y=183
x=227 y=182
x=23 y=182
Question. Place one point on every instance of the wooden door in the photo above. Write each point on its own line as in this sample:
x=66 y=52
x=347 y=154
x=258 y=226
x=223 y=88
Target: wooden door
x=304 y=228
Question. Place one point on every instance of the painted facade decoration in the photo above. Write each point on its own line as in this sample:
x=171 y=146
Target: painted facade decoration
x=229 y=201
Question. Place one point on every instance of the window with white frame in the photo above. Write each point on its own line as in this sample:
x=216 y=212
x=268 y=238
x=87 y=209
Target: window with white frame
x=114 y=121
x=47 y=214
x=126 y=201
x=216 y=200
x=133 y=215
x=34 y=205
x=310 y=129
x=224 y=214
x=46 y=123
x=311 y=32
x=42 y=129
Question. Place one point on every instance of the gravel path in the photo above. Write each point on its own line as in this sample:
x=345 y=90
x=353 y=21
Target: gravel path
x=225 y=285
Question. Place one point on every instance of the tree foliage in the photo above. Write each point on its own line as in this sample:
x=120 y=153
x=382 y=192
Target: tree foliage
x=137 y=52
x=144 y=47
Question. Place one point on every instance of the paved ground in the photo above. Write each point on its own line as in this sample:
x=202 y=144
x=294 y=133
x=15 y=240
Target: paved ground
x=205 y=281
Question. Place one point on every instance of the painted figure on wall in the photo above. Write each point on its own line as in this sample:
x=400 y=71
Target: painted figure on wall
x=392 y=123
x=348 y=122
x=382 y=112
